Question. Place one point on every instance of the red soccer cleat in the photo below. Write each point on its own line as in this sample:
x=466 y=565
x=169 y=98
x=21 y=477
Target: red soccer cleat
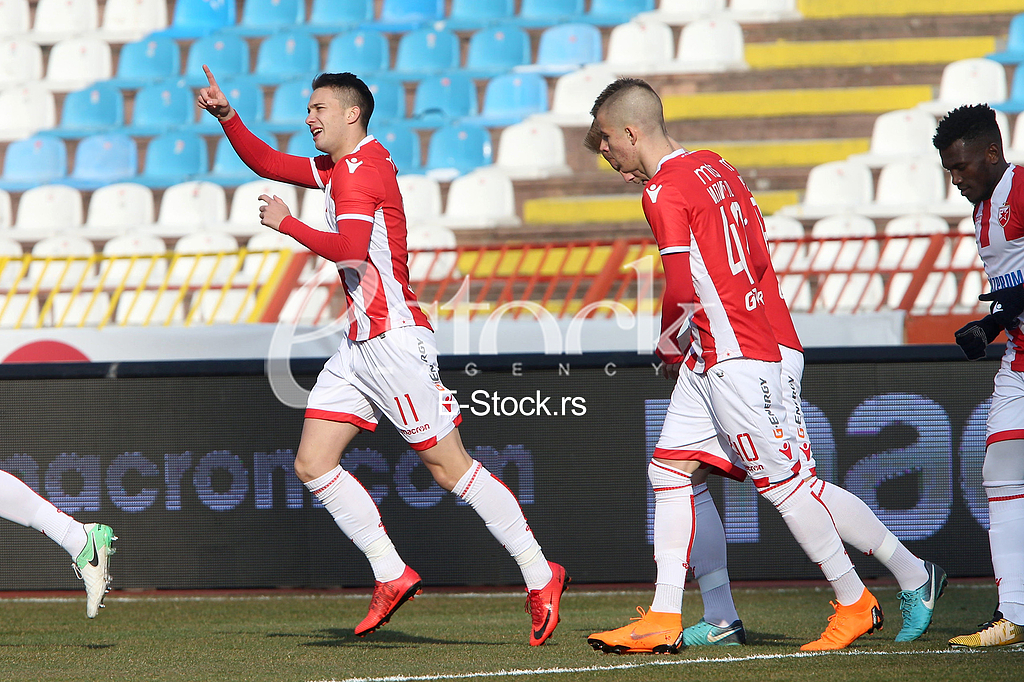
x=387 y=597
x=542 y=605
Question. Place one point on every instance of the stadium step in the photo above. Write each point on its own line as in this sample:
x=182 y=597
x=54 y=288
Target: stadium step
x=835 y=9
x=784 y=54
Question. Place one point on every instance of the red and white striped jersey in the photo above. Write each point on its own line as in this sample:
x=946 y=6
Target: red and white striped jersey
x=364 y=186
x=999 y=230
x=696 y=203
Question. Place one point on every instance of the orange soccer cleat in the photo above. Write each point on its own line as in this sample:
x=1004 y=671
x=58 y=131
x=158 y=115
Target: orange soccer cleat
x=848 y=623
x=652 y=633
x=542 y=605
x=387 y=597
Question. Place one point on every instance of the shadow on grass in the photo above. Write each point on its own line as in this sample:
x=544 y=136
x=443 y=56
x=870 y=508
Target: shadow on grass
x=336 y=637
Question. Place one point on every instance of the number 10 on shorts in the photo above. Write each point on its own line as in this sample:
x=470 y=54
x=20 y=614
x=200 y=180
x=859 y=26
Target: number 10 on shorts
x=744 y=447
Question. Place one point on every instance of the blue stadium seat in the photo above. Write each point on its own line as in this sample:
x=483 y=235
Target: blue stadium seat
x=468 y=15
x=497 y=50
x=226 y=55
x=162 y=107
x=402 y=142
x=245 y=95
x=441 y=99
x=301 y=144
x=457 y=149
x=399 y=16
x=330 y=16
x=287 y=55
x=104 y=159
x=425 y=51
x=228 y=169
x=36 y=160
x=1014 y=52
x=1014 y=104
x=95 y=109
x=150 y=59
x=364 y=52
x=542 y=13
x=511 y=98
x=615 y=12
x=388 y=98
x=173 y=158
x=196 y=18
x=566 y=48
x=263 y=17
x=288 y=108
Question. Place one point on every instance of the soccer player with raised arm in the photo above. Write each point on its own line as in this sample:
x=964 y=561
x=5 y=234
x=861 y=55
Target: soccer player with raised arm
x=727 y=399
x=387 y=364
x=90 y=545
x=921 y=582
x=971 y=149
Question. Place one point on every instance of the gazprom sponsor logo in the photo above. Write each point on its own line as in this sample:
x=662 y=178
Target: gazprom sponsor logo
x=1010 y=279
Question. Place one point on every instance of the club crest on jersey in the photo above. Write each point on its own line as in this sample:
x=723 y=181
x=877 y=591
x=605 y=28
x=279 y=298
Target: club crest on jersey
x=1003 y=215
x=353 y=164
x=653 y=191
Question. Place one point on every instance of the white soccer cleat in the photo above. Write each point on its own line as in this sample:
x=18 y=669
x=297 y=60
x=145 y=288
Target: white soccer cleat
x=92 y=565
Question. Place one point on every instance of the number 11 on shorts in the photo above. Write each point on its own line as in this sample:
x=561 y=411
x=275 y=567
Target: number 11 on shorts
x=401 y=412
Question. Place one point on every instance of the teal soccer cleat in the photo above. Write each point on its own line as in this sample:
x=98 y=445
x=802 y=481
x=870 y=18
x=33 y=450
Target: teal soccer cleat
x=918 y=605
x=92 y=565
x=704 y=633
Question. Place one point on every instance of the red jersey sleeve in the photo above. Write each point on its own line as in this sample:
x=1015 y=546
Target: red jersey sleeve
x=269 y=163
x=668 y=214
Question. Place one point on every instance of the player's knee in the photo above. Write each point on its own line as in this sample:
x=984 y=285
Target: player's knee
x=780 y=495
x=668 y=482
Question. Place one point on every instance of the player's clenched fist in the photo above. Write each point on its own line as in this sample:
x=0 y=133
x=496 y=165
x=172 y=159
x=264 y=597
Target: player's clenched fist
x=213 y=99
x=273 y=211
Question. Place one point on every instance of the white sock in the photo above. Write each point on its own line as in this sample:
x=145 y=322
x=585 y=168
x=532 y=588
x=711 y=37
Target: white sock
x=21 y=504
x=811 y=525
x=355 y=513
x=674 y=522
x=500 y=510
x=708 y=558
x=1006 y=519
x=858 y=526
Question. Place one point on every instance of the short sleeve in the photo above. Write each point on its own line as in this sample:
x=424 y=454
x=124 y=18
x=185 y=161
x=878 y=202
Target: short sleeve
x=357 y=190
x=668 y=214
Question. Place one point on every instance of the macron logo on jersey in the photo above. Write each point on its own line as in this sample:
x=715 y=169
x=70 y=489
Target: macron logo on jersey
x=653 y=191
x=353 y=164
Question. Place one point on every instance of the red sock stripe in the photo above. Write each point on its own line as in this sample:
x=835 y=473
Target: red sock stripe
x=1013 y=434
x=675 y=487
x=328 y=485
x=1006 y=499
x=476 y=471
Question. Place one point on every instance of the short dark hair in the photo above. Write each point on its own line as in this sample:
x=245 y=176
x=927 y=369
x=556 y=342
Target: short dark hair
x=968 y=123
x=352 y=85
x=617 y=86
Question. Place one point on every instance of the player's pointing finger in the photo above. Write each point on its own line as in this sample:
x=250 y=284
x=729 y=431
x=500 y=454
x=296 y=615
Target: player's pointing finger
x=264 y=197
x=209 y=76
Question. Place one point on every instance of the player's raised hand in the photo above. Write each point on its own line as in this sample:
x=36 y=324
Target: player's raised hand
x=213 y=99
x=273 y=211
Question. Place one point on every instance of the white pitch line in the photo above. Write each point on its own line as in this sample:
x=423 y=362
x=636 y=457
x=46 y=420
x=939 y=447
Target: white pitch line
x=645 y=664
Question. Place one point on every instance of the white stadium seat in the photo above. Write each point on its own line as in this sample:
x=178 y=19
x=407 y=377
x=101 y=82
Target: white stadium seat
x=435 y=257
x=482 y=198
x=259 y=264
x=640 y=47
x=21 y=61
x=789 y=257
x=6 y=214
x=122 y=206
x=149 y=266
x=899 y=135
x=190 y=206
x=26 y=109
x=57 y=20
x=14 y=17
x=709 y=45
x=679 y=12
x=908 y=187
x=126 y=21
x=422 y=198
x=760 y=11
x=968 y=81
x=832 y=188
x=66 y=262
x=575 y=93
x=75 y=63
x=531 y=150
x=838 y=291
x=244 y=217
x=49 y=208
x=204 y=257
x=11 y=254
x=910 y=239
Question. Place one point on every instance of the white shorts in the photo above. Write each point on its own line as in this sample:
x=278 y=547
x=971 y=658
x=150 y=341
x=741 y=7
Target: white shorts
x=394 y=373
x=732 y=418
x=792 y=378
x=1006 y=416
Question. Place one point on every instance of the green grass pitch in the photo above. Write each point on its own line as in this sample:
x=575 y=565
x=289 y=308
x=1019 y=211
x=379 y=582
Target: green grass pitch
x=441 y=635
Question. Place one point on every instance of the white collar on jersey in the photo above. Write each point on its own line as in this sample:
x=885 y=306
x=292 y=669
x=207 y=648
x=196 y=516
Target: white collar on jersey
x=365 y=140
x=671 y=155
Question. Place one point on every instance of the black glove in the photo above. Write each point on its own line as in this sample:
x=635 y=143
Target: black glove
x=1007 y=304
x=975 y=336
